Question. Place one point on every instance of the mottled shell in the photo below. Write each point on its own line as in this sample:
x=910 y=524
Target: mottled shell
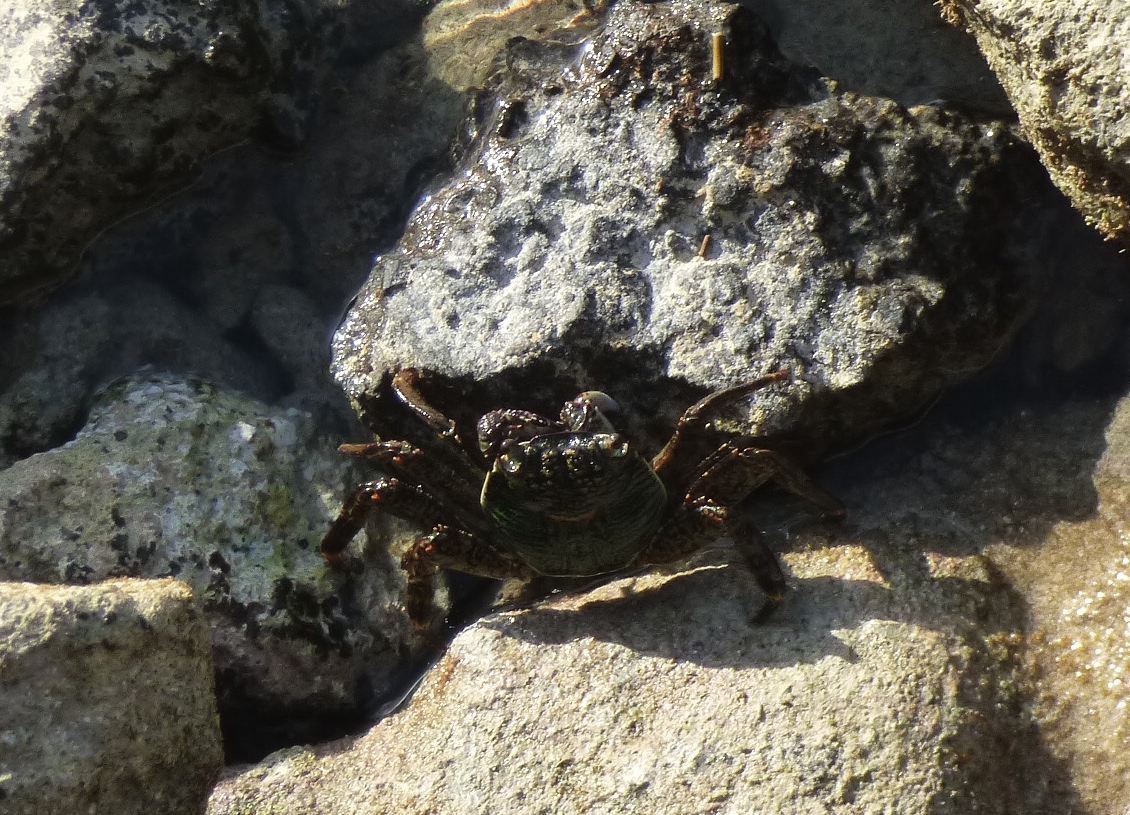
x=573 y=503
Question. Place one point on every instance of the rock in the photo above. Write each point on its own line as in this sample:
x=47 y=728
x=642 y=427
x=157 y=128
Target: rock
x=389 y=134
x=629 y=226
x=659 y=696
x=242 y=278
x=902 y=50
x=59 y=354
x=1064 y=69
x=1077 y=585
x=108 y=107
x=108 y=699
x=462 y=40
x=181 y=478
x=1040 y=487
x=958 y=645
x=291 y=327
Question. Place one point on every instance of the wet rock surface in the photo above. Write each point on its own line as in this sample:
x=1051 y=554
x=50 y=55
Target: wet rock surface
x=108 y=695
x=1064 y=70
x=180 y=478
x=622 y=219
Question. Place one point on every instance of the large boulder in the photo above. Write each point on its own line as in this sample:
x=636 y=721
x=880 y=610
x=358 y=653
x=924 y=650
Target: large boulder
x=625 y=221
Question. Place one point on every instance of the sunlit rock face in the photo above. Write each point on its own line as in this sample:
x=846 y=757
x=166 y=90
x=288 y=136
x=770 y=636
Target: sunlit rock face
x=623 y=219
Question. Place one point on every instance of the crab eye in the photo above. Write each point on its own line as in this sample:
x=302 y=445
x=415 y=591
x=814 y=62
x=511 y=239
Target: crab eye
x=615 y=446
x=510 y=456
x=588 y=412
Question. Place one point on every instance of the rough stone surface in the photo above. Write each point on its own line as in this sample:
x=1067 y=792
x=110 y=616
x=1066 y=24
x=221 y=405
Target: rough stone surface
x=105 y=105
x=242 y=278
x=1064 y=67
x=900 y=49
x=658 y=696
x=462 y=39
x=108 y=702
x=181 y=478
x=1077 y=585
x=53 y=359
x=971 y=612
x=874 y=251
x=1041 y=488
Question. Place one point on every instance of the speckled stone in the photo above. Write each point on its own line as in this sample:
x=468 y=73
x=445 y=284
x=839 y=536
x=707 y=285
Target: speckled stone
x=108 y=701
x=657 y=696
x=624 y=223
x=106 y=106
x=178 y=477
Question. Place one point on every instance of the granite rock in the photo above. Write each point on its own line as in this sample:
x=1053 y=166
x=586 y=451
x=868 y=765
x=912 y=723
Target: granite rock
x=108 y=699
x=175 y=477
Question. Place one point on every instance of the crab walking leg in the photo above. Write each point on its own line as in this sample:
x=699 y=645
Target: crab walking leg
x=406 y=386
x=762 y=563
x=452 y=549
x=442 y=473
x=740 y=467
x=700 y=413
x=396 y=497
x=695 y=526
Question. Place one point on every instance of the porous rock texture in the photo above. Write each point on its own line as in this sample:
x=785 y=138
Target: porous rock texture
x=622 y=220
x=863 y=695
x=959 y=644
x=108 y=700
x=1077 y=587
x=176 y=477
x=1064 y=68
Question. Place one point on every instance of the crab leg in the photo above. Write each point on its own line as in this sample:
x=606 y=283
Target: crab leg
x=405 y=384
x=404 y=500
x=454 y=549
x=739 y=467
x=443 y=472
x=697 y=415
x=696 y=526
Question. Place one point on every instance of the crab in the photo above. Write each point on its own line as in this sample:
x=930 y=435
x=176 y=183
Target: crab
x=567 y=497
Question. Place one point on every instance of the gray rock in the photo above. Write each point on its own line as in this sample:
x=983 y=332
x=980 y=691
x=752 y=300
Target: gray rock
x=182 y=478
x=57 y=356
x=867 y=693
x=878 y=253
x=241 y=279
x=902 y=50
x=108 y=702
x=958 y=645
x=389 y=133
x=1064 y=68
x=107 y=106
x=293 y=329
